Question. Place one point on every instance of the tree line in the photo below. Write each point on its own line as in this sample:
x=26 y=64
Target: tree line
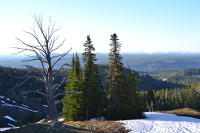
x=170 y=99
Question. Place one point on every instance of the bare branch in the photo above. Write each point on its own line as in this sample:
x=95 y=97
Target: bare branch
x=61 y=56
x=59 y=113
x=28 y=45
x=62 y=67
x=51 y=43
x=65 y=93
x=17 y=86
x=59 y=101
x=25 y=76
x=41 y=61
x=21 y=50
x=34 y=69
x=36 y=92
x=39 y=21
x=58 y=45
x=57 y=86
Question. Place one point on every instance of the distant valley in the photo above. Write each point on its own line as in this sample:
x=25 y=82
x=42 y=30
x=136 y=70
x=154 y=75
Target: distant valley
x=140 y=61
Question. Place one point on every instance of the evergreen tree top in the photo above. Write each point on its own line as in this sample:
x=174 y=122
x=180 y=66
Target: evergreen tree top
x=88 y=49
x=114 y=36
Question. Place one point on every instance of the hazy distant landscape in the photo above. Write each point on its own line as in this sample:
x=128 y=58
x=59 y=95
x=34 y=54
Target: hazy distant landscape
x=139 y=61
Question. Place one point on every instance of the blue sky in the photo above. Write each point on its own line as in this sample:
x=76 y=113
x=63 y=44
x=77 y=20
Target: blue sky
x=141 y=25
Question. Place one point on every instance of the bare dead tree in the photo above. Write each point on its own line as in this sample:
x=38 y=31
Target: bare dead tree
x=43 y=48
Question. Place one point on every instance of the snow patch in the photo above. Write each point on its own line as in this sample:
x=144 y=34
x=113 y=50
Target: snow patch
x=2 y=96
x=163 y=123
x=2 y=101
x=4 y=129
x=61 y=119
x=10 y=125
x=11 y=105
x=10 y=118
x=45 y=106
x=8 y=128
x=98 y=119
x=8 y=99
x=25 y=106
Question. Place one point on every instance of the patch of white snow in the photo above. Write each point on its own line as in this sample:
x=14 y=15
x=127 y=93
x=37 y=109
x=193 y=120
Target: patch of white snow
x=163 y=123
x=4 y=129
x=61 y=119
x=11 y=105
x=25 y=106
x=7 y=128
x=10 y=118
x=10 y=125
x=2 y=96
x=2 y=101
x=98 y=119
x=45 y=106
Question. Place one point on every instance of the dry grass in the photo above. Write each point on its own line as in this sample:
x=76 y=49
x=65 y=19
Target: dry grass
x=74 y=127
x=100 y=126
x=184 y=112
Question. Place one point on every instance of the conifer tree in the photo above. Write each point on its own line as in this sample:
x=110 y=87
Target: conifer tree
x=135 y=107
x=150 y=99
x=116 y=82
x=74 y=105
x=192 y=97
x=92 y=80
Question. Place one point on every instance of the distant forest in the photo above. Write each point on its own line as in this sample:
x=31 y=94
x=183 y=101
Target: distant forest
x=174 y=82
x=155 y=79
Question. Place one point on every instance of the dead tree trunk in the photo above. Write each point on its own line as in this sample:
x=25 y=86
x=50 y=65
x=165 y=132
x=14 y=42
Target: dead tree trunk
x=43 y=49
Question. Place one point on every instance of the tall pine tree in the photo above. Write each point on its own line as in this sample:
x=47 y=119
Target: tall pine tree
x=117 y=87
x=74 y=104
x=92 y=81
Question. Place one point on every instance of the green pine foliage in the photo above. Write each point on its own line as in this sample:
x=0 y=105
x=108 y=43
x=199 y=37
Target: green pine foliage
x=192 y=99
x=130 y=101
x=74 y=105
x=116 y=82
x=93 y=81
x=136 y=108
x=121 y=93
